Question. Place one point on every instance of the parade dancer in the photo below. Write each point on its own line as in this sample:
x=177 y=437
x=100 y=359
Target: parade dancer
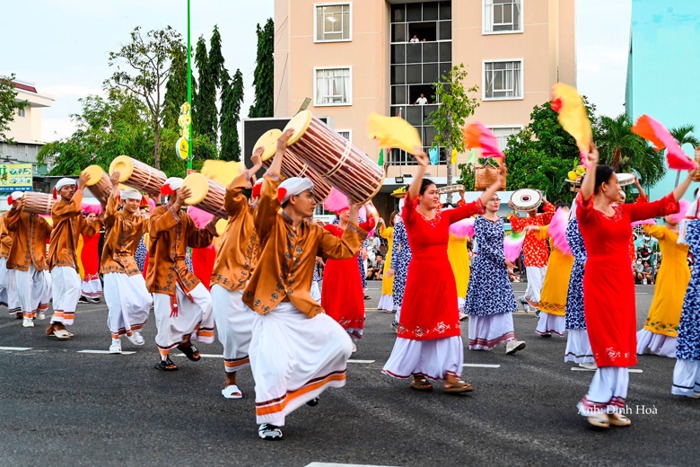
x=429 y=342
x=91 y=287
x=535 y=252
x=490 y=300
x=686 y=374
x=609 y=300
x=27 y=278
x=125 y=289
x=578 y=346
x=386 y=302
x=296 y=351
x=68 y=225
x=235 y=262
x=5 y=245
x=181 y=304
x=661 y=328
x=400 y=259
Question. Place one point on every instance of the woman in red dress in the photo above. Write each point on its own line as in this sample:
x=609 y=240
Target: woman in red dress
x=608 y=286
x=91 y=287
x=342 y=296
x=429 y=343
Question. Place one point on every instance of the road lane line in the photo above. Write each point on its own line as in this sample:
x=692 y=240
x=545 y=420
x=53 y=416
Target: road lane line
x=105 y=352
x=629 y=370
x=203 y=355
x=16 y=349
x=480 y=365
x=361 y=361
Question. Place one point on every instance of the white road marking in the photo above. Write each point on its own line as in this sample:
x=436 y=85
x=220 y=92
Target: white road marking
x=16 y=349
x=203 y=355
x=629 y=370
x=480 y=365
x=103 y=352
x=334 y=464
x=361 y=361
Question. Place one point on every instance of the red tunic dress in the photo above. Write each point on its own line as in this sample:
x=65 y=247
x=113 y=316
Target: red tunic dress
x=429 y=309
x=535 y=251
x=608 y=282
x=90 y=257
x=342 y=296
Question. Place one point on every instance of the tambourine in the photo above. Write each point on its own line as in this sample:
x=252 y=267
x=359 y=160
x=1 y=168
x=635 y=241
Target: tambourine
x=525 y=199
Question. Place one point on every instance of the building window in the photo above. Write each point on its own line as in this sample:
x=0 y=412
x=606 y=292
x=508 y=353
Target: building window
x=333 y=86
x=503 y=80
x=333 y=22
x=20 y=113
x=503 y=133
x=345 y=134
x=502 y=16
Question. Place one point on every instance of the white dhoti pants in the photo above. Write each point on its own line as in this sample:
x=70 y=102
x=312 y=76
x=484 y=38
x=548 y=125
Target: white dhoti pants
x=3 y=281
x=434 y=359
x=535 y=280
x=607 y=392
x=128 y=302
x=91 y=287
x=180 y=319
x=315 y=291
x=66 y=293
x=32 y=289
x=294 y=359
x=686 y=378
x=234 y=325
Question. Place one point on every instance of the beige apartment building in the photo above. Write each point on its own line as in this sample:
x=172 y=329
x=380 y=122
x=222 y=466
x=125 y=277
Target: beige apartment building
x=355 y=57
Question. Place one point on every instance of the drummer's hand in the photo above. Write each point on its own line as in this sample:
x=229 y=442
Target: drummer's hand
x=593 y=155
x=282 y=140
x=82 y=180
x=256 y=158
x=19 y=203
x=114 y=178
x=182 y=194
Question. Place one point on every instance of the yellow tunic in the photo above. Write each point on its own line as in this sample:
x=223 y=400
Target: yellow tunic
x=556 y=282
x=671 y=283
x=387 y=282
x=458 y=255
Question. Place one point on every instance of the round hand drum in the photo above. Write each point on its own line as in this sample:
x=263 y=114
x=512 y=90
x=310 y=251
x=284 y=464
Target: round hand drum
x=38 y=203
x=333 y=157
x=138 y=175
x=526 y=199
x=292 y=166
x=98 y=183
x=205 y=194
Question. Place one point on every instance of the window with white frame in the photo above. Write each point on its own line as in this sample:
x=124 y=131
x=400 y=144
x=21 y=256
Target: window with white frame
x=503 y=80
x=21 y=112
x=345 y=134
x=503 y=16
x=333 y=86
x=333 y=22
x=503 y=133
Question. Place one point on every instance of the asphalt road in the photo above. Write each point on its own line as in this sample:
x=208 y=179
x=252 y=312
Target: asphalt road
x=59 y=406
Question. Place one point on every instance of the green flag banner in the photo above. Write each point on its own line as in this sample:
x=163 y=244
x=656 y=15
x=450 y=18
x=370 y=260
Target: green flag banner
x=380 y=161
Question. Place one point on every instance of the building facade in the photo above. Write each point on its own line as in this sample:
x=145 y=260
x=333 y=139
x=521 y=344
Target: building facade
x=662 y=67
x=355 y=57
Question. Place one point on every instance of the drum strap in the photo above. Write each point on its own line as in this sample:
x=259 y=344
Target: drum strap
x=341 y=162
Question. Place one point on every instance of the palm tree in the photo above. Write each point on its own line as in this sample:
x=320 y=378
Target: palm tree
x=625 y=151
x=683 y=134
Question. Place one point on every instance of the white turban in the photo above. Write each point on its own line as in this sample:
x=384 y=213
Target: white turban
x=61 y=183
x=15 y=196
x=293 y=186
x=170 y=185
x=131 y=194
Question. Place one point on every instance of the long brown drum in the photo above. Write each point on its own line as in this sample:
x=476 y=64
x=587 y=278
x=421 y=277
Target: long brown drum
x=38 y=203
x=138 y=175
x=206 y=194
x=336 y=159
x=98 y=183
x=291 y=165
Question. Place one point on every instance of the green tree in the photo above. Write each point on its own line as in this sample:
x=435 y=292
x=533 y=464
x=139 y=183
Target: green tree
x=264 y=75
x=216 y=58
x=456 y=105
x=231 y=101
x=684 y=135
x=625 y=151
x=143 y=67
x=8 y=105
x=204 y=116
x=176 y=88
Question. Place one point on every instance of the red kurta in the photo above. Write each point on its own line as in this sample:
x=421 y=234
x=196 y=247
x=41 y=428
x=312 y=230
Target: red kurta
x=429 y=309
x=608 y=282
x=342 y=296
x=90 y=256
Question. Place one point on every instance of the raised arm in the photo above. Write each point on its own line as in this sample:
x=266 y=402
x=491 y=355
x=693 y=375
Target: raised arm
x=112 y=201
x=588 y=184
x=422 y=159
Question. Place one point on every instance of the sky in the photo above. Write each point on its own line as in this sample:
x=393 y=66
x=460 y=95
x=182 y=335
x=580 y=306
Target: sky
x=62 y=45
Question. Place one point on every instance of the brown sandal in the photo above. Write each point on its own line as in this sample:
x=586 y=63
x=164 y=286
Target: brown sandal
x=421 y=384
x=458 y=387
x=618 y=419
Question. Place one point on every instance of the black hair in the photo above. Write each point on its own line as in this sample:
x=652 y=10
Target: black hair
x=393 y=216
x=561 y=204
x=425 y=184
x=603 y=173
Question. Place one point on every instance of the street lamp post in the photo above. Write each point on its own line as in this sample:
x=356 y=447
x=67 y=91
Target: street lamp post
x=190 y=151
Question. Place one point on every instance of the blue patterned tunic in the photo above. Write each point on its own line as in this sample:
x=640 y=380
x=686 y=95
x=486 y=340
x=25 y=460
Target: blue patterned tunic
x=490 y=292
x=140 y=254
x=688 y=343
x=575 y=319
x=400 y=257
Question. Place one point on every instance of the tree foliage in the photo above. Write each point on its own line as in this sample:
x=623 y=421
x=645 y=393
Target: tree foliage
x=8 y=105
x=176 y=88
x=204 y=115
x=264 y=75
x=231 y=101
x=143 y=67
x=216 y=58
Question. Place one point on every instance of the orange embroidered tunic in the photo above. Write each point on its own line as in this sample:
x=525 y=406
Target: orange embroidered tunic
x=238 y=252
x=535 y=251
x=68 y=224
x=5 y=238
x=122 y=234
x=286 y=262
x=171 y=233
x=29 y=233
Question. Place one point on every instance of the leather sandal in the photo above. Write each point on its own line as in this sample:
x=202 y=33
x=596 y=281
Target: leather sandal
x=421 y=384
x=166 y=365
x=618 y=419
x=190 y=352
x=600 y=420
x=458 y=387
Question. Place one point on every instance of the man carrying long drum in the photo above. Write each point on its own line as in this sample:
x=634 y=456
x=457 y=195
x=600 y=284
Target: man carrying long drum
x=182 y=305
